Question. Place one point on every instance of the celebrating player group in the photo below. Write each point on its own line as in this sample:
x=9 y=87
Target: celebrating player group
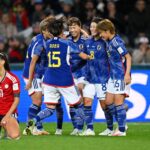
x=77 y=67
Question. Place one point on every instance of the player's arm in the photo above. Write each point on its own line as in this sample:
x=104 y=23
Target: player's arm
x=127 y=77
x=84 y=56
x=31 y=70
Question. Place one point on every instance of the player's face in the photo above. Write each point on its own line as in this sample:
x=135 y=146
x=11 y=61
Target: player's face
x=46 y=34
x=93 y=29
x=74 y=30
x=104 y=35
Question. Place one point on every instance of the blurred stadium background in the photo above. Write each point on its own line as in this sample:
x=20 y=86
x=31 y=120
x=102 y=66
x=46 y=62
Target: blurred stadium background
x=19 y=22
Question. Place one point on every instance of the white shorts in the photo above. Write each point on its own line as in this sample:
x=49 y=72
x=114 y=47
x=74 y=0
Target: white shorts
x=36 y=85
x=90 y=90
x=52 y=94
x=118 y=87
x=79 y=80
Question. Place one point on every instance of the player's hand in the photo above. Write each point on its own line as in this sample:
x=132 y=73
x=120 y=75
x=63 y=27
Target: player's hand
x=5 y=120
x=28 y=86
x=85 y=34
x=127 y=79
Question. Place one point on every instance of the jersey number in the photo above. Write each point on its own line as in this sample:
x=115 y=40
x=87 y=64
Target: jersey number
x=53 y=56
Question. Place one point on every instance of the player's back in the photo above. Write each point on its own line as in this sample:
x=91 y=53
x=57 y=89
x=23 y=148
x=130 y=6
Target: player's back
x=58 y=72
x=30 y=51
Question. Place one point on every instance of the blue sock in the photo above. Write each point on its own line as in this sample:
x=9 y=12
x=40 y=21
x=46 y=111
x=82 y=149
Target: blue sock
x=44 y=114
x=59 y=113
x=109 y=119
x=32 y=112
x=72 y=112
x=88 y=117
x=121 y=117
x=80 y=116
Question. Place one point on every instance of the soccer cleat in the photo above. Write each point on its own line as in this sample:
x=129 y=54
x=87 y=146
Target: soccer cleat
x=126 y=128
x=81 y=133
x=39 y=132
x=106 y=132
x=87 y=132
x=31 y=125
x=119 y=133
x=58 y=132
x=74 y=132
x=24 y=131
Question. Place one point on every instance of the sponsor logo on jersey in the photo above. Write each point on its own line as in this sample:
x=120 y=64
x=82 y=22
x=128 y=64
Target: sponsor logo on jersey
x=6 y=86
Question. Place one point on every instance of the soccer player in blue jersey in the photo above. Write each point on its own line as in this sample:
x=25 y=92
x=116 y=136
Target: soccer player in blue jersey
x=97 y=75
x=77 y=63
x=34 y=68
x=120 y=79
x=58 y=78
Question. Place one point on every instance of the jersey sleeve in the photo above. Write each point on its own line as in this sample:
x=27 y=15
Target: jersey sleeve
x=38 y=48
x=121 y=49
x=16 y=86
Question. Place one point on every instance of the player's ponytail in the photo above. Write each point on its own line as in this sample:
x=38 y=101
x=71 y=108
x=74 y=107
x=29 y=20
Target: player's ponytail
x=6 y=65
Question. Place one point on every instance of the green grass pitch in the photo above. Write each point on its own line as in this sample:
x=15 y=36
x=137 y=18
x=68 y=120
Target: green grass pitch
x=138 y=138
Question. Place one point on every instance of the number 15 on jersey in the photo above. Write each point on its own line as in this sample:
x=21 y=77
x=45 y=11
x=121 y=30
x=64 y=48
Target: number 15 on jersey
x=54 y=59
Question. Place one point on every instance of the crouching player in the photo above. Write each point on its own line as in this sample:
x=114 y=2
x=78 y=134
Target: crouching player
x=9 y=99
x=120 y=79
x=58 y=77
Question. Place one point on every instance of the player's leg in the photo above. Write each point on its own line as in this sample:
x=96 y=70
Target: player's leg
x=51 y=97
x=80 y=85
x=59 y=114
x=88 y=94
x=101 y=96
x=12 y=128
x=119 y=107
x=73 y=98
x=35 y=93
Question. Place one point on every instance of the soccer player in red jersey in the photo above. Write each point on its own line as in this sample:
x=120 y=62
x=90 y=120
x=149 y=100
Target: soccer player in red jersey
x=9 y=99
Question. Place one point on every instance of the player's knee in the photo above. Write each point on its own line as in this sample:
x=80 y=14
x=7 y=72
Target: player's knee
x=14 y=136
x=87 y=102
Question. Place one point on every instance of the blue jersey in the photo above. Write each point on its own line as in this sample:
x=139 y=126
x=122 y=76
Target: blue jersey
x=97 y=69
x=116 y=51
x=58 y=72
x=77 y=63
x=36 y=47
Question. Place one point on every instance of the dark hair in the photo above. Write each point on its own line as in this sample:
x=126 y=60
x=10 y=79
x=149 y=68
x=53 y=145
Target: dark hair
x=6 y=65
x=56 y=27
x=96 y=20
x=74 y=20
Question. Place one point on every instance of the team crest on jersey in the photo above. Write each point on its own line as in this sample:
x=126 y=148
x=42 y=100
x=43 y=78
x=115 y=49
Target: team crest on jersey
x=81 y=46
x=110 y=48
x=6 y=86
x=98 y=47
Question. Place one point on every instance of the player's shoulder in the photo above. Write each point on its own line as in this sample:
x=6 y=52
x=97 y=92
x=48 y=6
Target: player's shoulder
x=37 y=38
x=117 y=41
x=83 y=38
x=89 y=40
x=11 y=76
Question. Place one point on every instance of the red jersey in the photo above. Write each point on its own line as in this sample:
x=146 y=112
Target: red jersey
x=9 y=86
